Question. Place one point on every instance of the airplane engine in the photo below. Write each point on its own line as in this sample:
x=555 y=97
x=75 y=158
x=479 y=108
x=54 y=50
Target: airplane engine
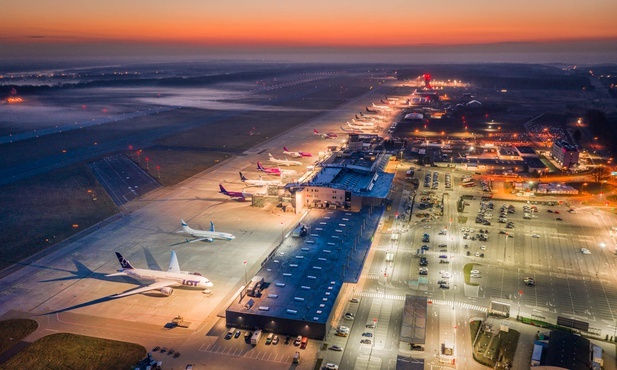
x=166 y=291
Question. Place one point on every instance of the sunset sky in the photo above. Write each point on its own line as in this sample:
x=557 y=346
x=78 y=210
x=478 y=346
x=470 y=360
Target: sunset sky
x=28 y=25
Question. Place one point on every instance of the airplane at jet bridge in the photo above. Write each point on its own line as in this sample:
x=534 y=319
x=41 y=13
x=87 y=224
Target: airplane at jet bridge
x=163 y=280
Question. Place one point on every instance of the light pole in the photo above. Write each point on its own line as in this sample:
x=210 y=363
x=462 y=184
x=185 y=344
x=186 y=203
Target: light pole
x=520 y=295
x=245 y=278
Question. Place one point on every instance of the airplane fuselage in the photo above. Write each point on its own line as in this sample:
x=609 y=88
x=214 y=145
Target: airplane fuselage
x=187 y=280
x=211 y=234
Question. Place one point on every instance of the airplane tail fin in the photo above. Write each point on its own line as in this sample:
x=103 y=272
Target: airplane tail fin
x=185 y=226
x=223 y=191
x=125 y=264
x=173 y=263
x=315 y=132
x=285 y=149
x=270 y=156
x=211 y=226
x=242 y=177
x=260 y=167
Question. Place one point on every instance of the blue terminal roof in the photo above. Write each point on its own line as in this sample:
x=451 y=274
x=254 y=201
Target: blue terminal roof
x=359 y=182
x=303 y=276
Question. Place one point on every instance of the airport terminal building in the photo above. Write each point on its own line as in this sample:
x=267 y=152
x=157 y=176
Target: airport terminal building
x=300 y=281
x=348 y=181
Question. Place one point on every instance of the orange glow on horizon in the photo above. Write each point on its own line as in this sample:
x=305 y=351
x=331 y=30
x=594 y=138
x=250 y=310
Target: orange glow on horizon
x=318 y=23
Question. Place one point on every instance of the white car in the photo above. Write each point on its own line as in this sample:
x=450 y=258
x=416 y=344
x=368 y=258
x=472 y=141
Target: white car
x=445 y=275
x=585 y=251
x=483 y=247
x=535 y=236
x=331 y=366
x=475 y=271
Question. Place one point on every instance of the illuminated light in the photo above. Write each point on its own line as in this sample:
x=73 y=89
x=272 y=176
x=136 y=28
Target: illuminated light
x=75 y=226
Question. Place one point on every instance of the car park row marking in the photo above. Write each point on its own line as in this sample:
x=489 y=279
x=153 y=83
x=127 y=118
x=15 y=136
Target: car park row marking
x=256 y=354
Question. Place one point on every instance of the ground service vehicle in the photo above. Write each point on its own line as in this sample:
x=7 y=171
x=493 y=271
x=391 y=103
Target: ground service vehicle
x=254 y=286
x=256 y=337
x=304 y=342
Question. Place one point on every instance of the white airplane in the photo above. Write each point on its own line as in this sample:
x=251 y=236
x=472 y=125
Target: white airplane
x=357 y=128
x=207 y=235
x=296 y=154
x=362 y=123
x=163 y=280
x=351 y=130
x=284 y=162
x=260 y=182
x=382 y=107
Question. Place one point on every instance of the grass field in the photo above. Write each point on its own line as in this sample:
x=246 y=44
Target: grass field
x=46 y=209
x=14 y=330
x=69 y=351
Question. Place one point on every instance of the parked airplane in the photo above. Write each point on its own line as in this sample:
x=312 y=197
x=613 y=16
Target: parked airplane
x=383 y=107
x=329 y=135
x=260 y=182
x=237 y=195
x=284 y=162
x=207 y=235
x=370 y=111
x=163 y=280
x=358 y=128
x=275 y=171
x=362 y=123
x=351 y=130
x=296 y=154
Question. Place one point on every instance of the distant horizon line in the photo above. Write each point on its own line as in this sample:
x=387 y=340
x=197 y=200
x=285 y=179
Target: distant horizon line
x=598 y=51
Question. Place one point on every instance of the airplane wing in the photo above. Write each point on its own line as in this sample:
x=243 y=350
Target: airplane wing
x=204 y=238
x=173 y=263
x=117 y=274
x=154 y=286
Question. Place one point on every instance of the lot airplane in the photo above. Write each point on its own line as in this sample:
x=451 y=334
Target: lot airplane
x=163 y=280
x=370 y=111
x=260 y=182
x=236 y=195
x=296 y=154
x=283 y=162
x=201 y=235
x=329 y=135
x=275 y=171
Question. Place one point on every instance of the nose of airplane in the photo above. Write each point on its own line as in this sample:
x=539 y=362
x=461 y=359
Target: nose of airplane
x=209 y=284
